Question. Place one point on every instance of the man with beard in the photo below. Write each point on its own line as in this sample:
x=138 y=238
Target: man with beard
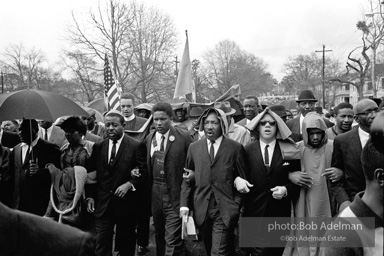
x=344 y=120
x=166 y=153
x=28 y=162
x=216 y=161
x=250 y=109
x=347 y=172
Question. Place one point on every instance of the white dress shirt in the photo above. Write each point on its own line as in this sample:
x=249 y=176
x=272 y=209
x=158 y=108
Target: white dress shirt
x=364 y=136
x=24 y=148
x=158 y=142
x=216 y=145
x=118 y=143
x=301 y=123
x=271 y=149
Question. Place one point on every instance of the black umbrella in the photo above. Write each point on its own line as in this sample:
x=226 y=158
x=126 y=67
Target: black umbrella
x=35 y=104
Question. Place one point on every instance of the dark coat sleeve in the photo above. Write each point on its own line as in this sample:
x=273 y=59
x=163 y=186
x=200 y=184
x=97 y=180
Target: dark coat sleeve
x=5 y=176
x=338 y=188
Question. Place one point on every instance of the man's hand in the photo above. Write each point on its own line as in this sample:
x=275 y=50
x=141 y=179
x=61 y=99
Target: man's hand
x=90 y=205
x=123 y=189
x=184 y=213
x=135 y=173
x=188 y=175
x=33 y=168
x=242 y=185
x=301 y=179
x=279 y=192
x=333 y=173
x=344 y=205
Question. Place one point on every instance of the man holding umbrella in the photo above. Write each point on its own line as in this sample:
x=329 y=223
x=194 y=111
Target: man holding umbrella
x=27 y=166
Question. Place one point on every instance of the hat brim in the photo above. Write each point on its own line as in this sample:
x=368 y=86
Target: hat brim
x=233 y=111
x=311 y=100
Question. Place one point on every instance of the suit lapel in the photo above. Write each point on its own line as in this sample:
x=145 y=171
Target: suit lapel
x=220 y=151
x=169 y=142
x=275 y=156
x=259 y=157
x=121 y=149
x=355 y=141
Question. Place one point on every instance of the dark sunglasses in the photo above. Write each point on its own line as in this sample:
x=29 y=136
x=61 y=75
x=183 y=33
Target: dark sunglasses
x=272 y=123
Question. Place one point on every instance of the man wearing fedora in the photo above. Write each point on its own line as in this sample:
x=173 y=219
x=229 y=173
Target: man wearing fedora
x=235 y=132
x=280 y=111
x=194 y=114
x=305 y=104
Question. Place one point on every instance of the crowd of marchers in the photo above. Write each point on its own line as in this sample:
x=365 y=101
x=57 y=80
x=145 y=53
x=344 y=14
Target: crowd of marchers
x=79 y=186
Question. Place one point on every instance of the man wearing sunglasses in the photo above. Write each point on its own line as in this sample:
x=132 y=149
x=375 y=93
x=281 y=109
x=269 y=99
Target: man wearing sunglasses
x=268 y=188
x=346 y=173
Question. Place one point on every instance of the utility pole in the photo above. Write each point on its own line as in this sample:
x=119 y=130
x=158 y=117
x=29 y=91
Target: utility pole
x=176 y=69
x=322 y=74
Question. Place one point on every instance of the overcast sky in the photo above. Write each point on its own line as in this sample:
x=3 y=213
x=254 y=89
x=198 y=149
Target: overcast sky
x=272 y=30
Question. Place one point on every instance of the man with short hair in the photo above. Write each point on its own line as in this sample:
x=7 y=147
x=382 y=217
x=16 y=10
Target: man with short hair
x=346 y=155
x=132 y=122
x=93 y=127
x=216 y=161
x=28 y=161
x=251 y=103
x=344 y=120
x=166 y=153
x=305 y=104
x=114 y=199
x=367 y=204
x=52 y=133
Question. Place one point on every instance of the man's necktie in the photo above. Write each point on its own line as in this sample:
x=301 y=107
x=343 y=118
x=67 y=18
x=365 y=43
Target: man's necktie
x=113 y=153
x=266 y=156
x=46 y=135
x=162 y=143
x=212 y=151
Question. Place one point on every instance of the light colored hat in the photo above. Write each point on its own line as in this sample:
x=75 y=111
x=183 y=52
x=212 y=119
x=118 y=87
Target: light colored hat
x=114 y=113
x=363 y=105
x=225 y=106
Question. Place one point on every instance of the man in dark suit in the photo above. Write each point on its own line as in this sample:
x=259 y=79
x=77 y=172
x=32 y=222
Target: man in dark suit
x=305 y=104
x=115 y=198
x=216 y=161
x=271 y=193
x=132 y=122
x=27 y=234
x=9 y=139
x=251 y=110
x=31 y=179
x=346 y=155
x=166 y=153
x=52 y=133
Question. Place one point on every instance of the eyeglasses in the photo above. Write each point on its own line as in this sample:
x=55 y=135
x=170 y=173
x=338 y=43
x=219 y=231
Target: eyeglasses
x=369 y=111
x=272 y=123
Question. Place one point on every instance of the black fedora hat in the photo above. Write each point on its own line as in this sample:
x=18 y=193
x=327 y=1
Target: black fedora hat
x=306 y=95
x=279 y=109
